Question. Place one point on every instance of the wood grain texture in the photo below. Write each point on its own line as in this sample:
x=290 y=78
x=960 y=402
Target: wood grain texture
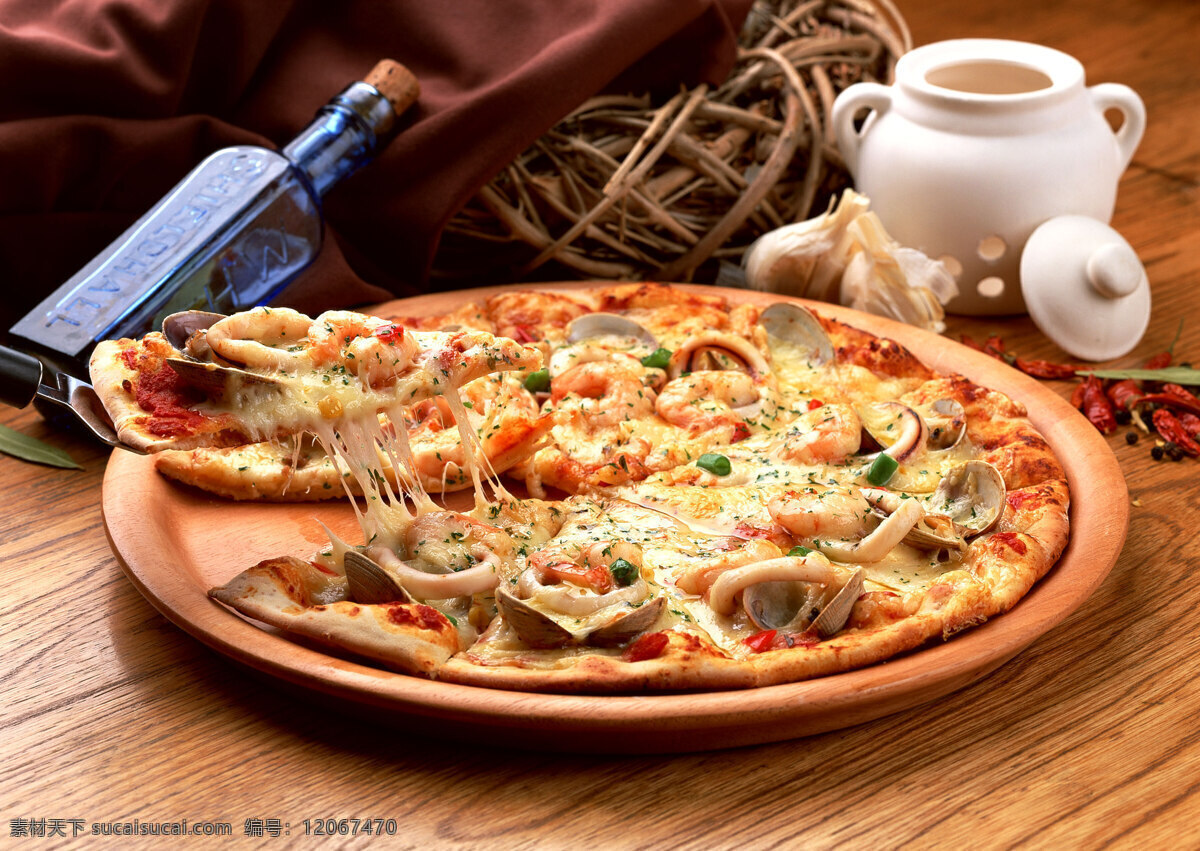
x=1089 y=738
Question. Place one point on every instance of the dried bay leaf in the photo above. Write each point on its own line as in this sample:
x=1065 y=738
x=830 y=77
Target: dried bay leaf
x=31 y=449
x=1167 y=375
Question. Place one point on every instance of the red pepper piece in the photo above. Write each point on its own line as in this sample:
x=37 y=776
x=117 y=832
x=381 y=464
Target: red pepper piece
x=322 y=567
x=1170 y=428
x=1096 y=406
x=1123 y=394
x=390 y=334
x=524 y=334
x=813 y=404
x=649 y=646
x=1011 y=540
x=1045 y=368
x=1160 y=361
x=760 y=641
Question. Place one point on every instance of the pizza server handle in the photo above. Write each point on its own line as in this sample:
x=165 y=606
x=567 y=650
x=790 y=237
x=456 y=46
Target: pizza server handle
x=25 y=379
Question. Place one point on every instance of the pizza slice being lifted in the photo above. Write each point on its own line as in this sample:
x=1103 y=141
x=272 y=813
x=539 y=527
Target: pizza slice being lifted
x=274 y=372
x=501 y=412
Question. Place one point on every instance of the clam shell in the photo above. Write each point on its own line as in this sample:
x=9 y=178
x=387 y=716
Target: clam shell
x=787 y=606
x=607 y=629
x=627 y=624
x=531 y=626
x=214 y=379
x=799 y=326
x=367 y=582
x=934 y=532
x=946 y=422
x=833 y=617
x=720 y=350
x=972 y=494
x=178 y=328
x=593 y=325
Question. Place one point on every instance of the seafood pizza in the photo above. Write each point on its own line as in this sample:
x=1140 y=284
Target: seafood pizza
x=663 y=490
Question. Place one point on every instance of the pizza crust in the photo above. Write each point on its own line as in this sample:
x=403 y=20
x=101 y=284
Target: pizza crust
x=152 y=409
x=685 y=662
x=296 y=596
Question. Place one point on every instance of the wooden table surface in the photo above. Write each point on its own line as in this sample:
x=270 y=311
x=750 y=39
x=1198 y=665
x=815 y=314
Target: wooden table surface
x=1089 y=737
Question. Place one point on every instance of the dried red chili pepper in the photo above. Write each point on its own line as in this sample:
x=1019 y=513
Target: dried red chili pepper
x=1171 y=400
x=1171 y=429
x=1096 y=406
x=995 y=347
x=1160 y=361
x=992 y=347
x=1123 y=394
x=970 y=342
x=1181 y=392
x=1191 y=424
x=1045 y=368
x=1077 y=397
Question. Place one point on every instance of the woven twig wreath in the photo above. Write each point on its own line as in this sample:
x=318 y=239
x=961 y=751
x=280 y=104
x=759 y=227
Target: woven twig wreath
x=625 y=188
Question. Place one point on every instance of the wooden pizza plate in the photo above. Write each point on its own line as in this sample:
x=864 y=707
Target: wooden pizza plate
x=174 y=543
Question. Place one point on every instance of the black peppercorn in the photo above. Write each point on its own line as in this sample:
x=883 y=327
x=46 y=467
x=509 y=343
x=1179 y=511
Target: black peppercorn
x=1131 y=437
x=1156 y=452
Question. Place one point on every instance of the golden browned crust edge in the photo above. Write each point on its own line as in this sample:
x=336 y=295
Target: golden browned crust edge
x=411 y=637
x=688 y=663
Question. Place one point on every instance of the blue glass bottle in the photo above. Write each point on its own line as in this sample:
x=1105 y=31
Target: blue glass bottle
x=231 y=234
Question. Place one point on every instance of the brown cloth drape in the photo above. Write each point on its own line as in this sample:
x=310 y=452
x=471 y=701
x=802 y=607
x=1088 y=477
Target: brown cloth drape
x=106 y=104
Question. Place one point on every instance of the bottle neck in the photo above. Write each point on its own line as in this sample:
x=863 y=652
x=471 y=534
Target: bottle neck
x=346 y=134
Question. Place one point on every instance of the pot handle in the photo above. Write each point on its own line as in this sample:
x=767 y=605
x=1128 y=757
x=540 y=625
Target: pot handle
x=873 y=96
x=1133 y=113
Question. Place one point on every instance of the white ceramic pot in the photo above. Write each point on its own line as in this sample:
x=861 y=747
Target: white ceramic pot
x=977 y=143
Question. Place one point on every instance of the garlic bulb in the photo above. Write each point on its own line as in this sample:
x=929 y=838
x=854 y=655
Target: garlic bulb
x=846 y=255
x=889 y=279
x=806 y=259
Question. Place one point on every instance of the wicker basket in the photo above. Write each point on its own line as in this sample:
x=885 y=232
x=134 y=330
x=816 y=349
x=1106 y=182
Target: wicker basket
x=631 y=189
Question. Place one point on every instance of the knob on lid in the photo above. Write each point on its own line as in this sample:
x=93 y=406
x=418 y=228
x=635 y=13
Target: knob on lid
x=1085 y=288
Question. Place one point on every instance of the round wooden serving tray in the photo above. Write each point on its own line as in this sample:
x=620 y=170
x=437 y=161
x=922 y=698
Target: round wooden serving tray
x=174 y=543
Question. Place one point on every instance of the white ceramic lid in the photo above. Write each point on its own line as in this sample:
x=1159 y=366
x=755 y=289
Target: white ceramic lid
x=1085 y=287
